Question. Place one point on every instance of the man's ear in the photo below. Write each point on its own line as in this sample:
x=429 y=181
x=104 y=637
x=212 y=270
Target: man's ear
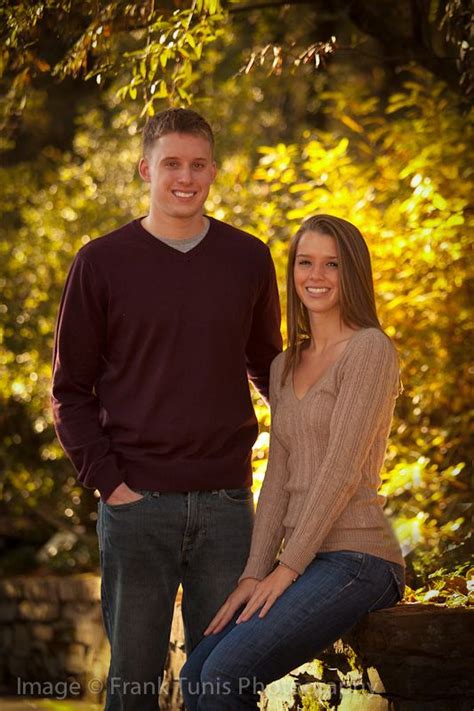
x=214 y=170
x=144 y=169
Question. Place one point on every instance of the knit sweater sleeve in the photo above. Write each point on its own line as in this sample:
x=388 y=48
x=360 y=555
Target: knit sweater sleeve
x=264 y=341
x=369 y=378
x=273 y=500
x=79 y=350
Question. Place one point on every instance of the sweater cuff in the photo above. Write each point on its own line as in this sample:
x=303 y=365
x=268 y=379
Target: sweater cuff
x=254 y=569
x=296 y=562
x=108 y=487
x=106 y=477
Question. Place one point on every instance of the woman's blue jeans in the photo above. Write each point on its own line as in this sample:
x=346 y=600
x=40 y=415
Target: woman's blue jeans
x=148 y=548
x=228 y=670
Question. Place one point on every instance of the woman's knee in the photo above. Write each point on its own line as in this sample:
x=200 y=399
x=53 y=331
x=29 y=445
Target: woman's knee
x=211 y=677
x=226 y=681
x=203 y=685
x=190 y=683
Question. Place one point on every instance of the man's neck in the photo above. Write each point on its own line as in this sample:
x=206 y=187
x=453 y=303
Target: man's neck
x=170 y=228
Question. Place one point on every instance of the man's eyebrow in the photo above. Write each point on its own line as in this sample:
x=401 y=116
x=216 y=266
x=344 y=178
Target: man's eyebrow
x=178 y=158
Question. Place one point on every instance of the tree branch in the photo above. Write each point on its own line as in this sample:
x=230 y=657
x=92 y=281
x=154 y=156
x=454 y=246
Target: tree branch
x=380 y=25
x=233 y=10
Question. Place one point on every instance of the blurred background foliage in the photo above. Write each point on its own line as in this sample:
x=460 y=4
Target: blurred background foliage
x=352 y=111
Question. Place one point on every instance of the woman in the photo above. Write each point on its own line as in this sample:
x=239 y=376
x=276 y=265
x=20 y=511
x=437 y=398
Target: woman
x=332 y=394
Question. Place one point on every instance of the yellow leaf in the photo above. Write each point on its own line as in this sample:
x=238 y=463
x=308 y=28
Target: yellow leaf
x=439 y=202
x=350 y=123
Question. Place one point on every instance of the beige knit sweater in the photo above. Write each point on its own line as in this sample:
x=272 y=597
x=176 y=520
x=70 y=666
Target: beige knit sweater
x=326 y=454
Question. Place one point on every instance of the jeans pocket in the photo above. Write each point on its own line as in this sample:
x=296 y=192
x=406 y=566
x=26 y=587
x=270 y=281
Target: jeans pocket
x=399 y=577
x=236 y=496
x=393 y=590
x=349 y=561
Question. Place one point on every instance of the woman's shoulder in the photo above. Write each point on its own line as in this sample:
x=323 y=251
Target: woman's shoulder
x=371 y=351
x=373 y=338
x=276 y=372
x=278 y=363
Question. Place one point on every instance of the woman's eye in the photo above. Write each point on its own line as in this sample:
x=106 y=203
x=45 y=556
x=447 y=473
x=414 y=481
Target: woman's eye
x=303 y=262
x=332 y=265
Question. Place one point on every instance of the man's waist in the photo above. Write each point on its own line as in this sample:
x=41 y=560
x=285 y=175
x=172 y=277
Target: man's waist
x=184 y=475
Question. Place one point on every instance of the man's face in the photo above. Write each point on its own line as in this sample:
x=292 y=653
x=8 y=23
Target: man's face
x=180 y=169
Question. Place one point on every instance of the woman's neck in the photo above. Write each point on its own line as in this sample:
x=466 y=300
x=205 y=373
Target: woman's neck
x=328 y=329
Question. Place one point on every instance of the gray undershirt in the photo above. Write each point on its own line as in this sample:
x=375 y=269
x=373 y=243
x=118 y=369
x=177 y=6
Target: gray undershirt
x=185 y=245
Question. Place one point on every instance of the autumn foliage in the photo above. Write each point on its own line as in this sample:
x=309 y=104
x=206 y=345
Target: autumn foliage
x=395 y=161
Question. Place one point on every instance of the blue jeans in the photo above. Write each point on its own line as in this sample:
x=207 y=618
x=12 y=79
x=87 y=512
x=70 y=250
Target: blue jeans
x=147 y=548
x=229 y=669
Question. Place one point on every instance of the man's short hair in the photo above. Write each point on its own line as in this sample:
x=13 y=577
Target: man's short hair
x=175 y=121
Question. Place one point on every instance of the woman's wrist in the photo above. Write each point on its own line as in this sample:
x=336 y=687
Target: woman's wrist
x=295 y=574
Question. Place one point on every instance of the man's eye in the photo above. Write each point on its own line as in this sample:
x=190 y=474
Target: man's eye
x=199 y=165
x=171 y=164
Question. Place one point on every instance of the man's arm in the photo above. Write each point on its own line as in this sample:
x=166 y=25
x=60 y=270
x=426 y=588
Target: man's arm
x=264 y=342
x=79 y=356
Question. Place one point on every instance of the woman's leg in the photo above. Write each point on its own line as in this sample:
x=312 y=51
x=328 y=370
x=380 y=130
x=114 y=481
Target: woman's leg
x=336 y=591
x=190 y=676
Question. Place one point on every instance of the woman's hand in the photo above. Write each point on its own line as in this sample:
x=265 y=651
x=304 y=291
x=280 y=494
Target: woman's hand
x=267 y=591
x=242 y=594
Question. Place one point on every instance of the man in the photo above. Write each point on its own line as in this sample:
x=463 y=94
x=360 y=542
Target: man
x=160 y=323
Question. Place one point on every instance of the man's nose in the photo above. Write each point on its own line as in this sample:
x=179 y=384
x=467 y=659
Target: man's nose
x=185 y=174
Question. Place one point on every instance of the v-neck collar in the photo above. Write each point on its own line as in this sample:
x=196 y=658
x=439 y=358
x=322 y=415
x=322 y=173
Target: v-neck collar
x=326 y=373
x=166 y=248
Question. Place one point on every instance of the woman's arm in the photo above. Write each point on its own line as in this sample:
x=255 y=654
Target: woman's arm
x=268 y=529
x=273 y=500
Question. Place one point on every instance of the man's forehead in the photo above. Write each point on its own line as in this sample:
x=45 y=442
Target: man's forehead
x=189 y=144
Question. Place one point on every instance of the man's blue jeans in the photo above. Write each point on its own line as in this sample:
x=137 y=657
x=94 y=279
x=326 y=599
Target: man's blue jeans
x=228 y=670
x=147 y=548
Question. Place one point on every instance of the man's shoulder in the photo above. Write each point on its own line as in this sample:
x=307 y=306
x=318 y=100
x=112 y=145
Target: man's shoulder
x=104 y=246
x=239 y=238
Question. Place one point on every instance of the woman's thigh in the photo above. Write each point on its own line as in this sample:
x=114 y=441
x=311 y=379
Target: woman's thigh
x=336 y=590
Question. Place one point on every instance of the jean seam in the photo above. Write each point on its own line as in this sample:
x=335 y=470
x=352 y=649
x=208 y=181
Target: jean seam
x=400 y=584
x=224 y=495
x=374 y=607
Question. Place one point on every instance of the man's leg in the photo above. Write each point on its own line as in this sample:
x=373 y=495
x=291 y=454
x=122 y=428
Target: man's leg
x=217 y=544
x=140 y=546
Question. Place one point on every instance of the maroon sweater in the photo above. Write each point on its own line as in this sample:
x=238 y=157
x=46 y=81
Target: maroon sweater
x=152 y=352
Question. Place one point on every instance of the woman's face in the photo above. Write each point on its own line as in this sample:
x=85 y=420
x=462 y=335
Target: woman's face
x=316 y=272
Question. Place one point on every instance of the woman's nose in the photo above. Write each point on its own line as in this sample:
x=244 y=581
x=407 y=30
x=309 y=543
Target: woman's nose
x=316 y=271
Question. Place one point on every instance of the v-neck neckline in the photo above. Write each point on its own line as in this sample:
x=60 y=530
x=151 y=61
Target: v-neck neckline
x=328 y=370
x=184 y=256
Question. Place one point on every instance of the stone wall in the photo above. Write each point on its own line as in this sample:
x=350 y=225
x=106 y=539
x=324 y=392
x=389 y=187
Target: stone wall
x=411 y=657
x=408 y=658
x=51 y=631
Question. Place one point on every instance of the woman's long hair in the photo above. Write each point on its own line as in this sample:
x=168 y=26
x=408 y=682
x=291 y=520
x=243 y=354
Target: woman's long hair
x=356 y=287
